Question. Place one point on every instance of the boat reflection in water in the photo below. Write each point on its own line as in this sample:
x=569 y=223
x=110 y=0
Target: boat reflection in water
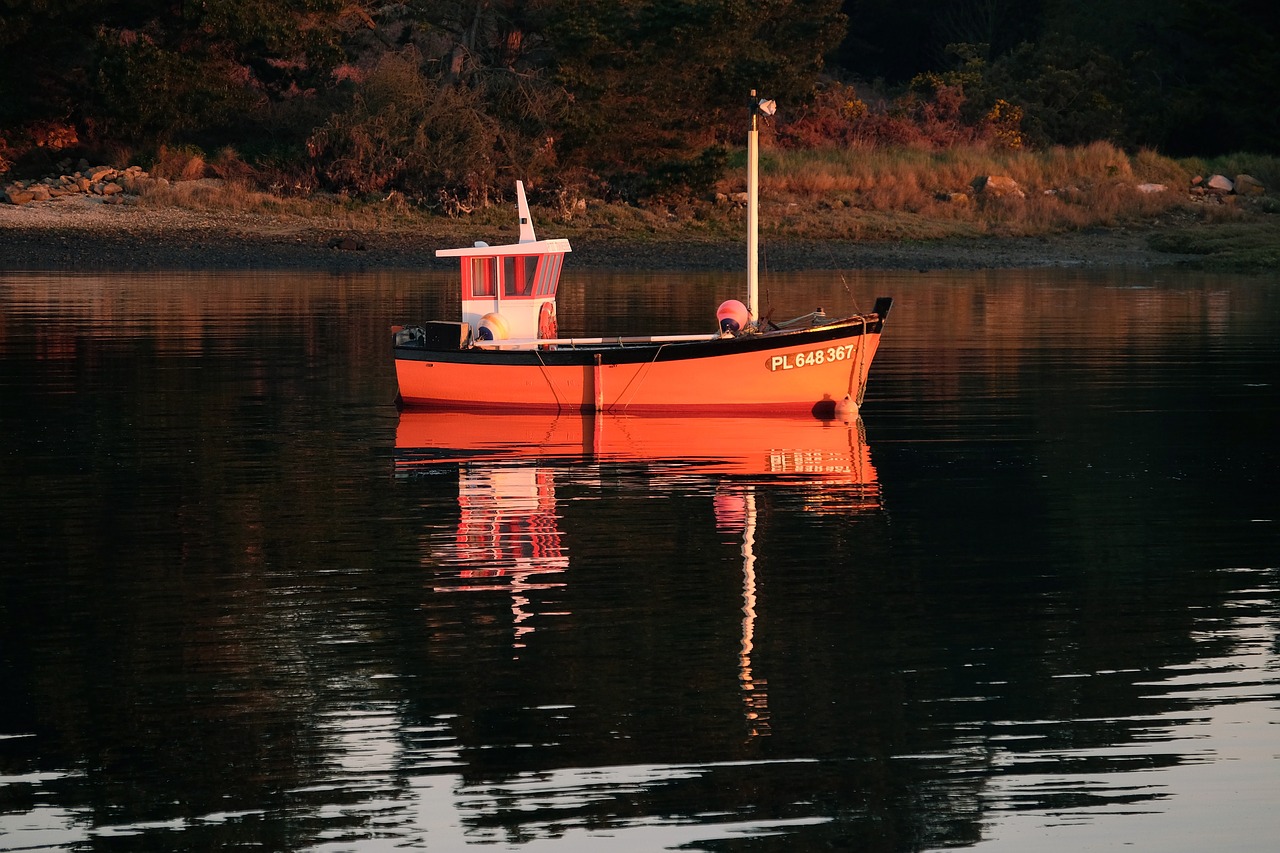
x=508 y=537
x=798 y=450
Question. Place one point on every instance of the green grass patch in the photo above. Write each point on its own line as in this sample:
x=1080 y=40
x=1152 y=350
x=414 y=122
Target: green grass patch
x=1229 y=247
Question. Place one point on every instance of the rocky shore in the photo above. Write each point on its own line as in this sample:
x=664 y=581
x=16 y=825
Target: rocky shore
x=86 y=232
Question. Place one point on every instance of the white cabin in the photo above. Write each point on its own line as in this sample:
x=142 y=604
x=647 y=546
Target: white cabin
x=509 y=292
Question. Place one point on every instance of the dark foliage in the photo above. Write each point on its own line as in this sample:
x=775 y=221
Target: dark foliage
x=1185 y=76
x=659 y=86
x=628 y=98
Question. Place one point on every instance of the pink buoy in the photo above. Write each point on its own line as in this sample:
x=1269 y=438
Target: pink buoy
x=732 y=316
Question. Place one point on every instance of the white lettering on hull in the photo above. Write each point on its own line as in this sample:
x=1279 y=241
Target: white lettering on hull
x=810 y=358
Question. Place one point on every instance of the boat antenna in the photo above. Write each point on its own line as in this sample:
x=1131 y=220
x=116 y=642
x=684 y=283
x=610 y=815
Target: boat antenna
x=758 y=106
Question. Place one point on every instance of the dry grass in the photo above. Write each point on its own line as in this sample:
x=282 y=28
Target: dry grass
x=179 y=164
x=953 y=170
x=877 y=194
x=889 y=193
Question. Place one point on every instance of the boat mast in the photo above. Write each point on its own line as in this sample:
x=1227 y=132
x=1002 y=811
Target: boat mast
x=758 y=106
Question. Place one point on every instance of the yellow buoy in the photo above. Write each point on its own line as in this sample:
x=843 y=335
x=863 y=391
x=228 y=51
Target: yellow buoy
x=494 y=327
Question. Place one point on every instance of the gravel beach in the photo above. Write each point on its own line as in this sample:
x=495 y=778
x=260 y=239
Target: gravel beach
x=83 y=233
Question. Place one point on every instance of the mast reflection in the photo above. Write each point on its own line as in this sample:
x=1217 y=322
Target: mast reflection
x=508 y=537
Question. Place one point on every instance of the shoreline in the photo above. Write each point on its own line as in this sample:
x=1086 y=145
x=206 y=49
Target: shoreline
x=81 y=233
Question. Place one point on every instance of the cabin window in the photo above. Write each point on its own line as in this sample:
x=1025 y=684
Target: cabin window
x=548 y=274
x=483 y=278
x=517 y=275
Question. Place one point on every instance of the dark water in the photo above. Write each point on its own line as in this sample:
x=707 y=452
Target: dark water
x=1030 y=602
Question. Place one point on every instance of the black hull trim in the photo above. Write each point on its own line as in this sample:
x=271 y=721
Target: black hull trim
x=655 y=352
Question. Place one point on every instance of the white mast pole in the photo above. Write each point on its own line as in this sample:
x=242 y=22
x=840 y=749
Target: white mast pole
x=753 y=215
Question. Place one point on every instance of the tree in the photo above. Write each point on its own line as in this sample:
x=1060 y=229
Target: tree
x=658 y=86
x=1223 y=85
x=1203 y=75
x=894 y=40
x=496 y=55
x=141 y=72
x=206 y=66
x=408 y=132
x=43 y=54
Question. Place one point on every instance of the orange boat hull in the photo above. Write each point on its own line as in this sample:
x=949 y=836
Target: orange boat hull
x=809 y=371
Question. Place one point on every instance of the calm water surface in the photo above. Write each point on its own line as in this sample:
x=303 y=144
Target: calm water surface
x=1029 y=601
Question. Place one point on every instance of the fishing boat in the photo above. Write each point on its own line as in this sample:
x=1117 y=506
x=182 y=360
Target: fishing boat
x=505 y=354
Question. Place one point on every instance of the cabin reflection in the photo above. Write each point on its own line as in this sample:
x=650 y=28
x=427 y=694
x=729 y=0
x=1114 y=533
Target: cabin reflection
x=508 y=538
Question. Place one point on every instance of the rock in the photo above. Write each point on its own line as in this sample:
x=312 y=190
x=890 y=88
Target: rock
x=112 y=188
x=1249 y=185
x=98 y=174
x=996 y=186
x=143 y=183
x=18 y=195
x=1219 y=184
x=1150 y=189
x=346 y=244
x=960 y=199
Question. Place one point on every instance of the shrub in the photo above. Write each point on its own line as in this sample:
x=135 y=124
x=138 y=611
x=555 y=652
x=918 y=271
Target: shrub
x=1004 y=124
x=179 y=163
x=145 y=91
x=934 y=114
x=404 y=131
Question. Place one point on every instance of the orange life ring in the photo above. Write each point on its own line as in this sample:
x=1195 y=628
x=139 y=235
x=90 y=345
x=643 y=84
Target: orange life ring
x=547 y=320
